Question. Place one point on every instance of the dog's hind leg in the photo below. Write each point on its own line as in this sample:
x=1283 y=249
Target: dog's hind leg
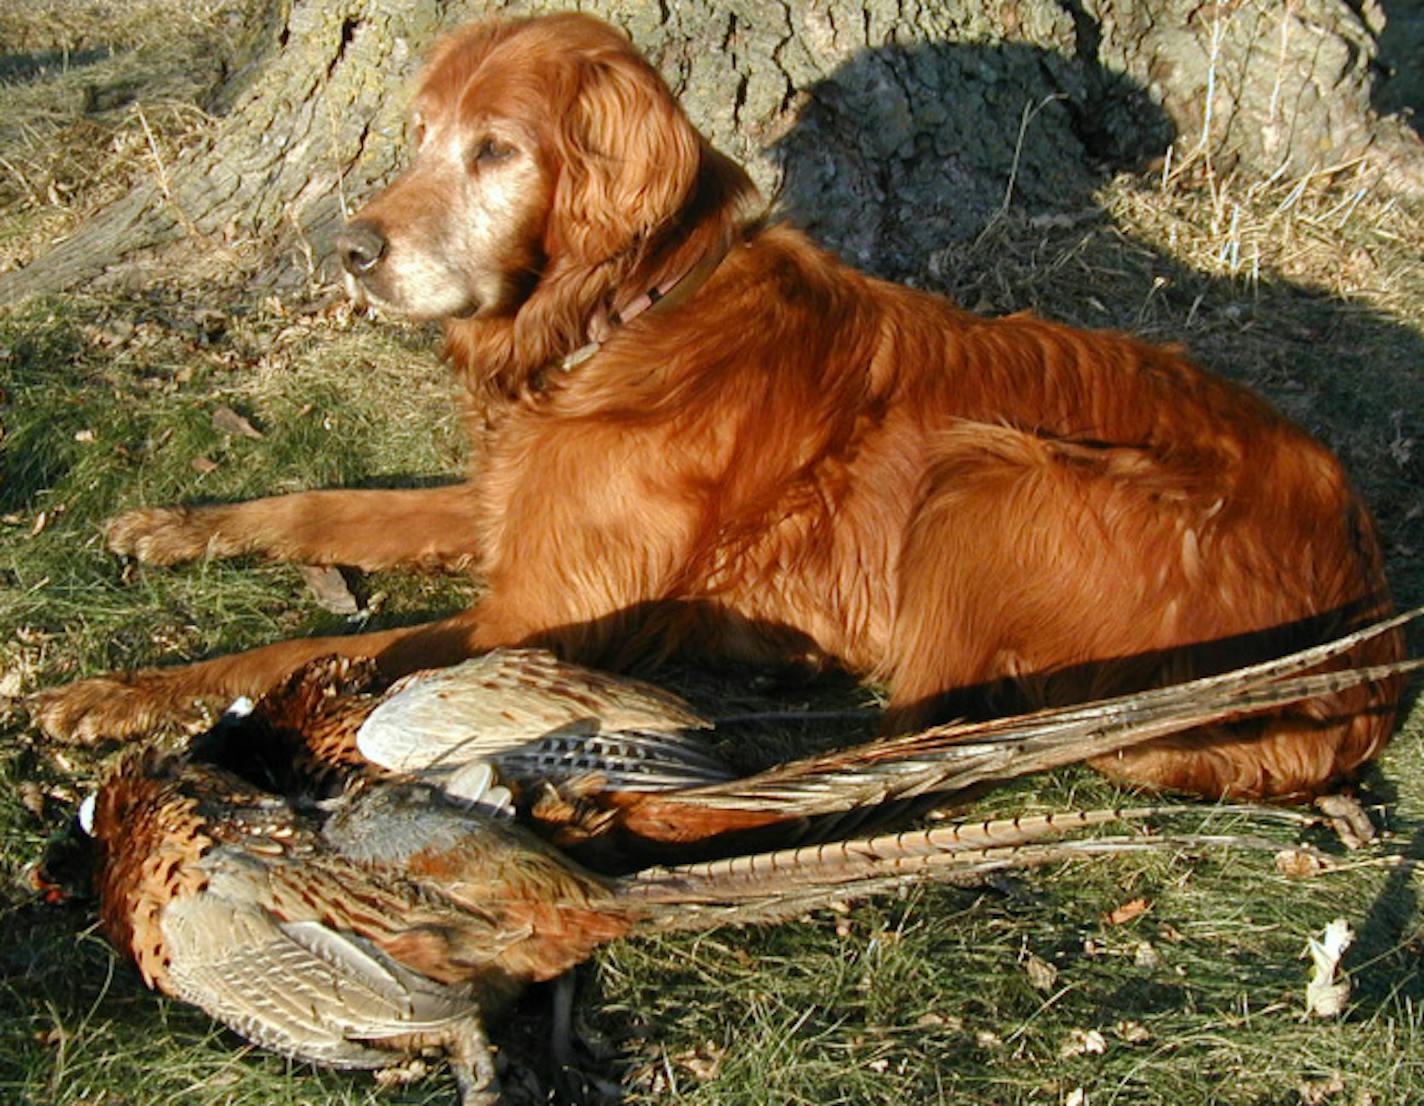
x=1040 y=572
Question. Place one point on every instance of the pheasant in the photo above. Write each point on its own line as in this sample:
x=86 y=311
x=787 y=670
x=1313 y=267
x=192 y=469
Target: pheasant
x=393 y=920
x=615 y=772
x=540 y=717
x=397 y=918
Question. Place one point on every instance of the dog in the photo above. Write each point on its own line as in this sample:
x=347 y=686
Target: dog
x=701 y=434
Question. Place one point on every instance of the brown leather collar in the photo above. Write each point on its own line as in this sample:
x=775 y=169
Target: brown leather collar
x=662 y=297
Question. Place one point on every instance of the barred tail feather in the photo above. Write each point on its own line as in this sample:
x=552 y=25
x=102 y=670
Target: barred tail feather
x=948 y=759
x=774 y=886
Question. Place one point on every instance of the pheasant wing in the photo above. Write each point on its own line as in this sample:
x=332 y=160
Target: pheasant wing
x=538 y=718
x=300 y=988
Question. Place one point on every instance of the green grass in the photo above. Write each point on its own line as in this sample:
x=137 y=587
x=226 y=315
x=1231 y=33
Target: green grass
x=107 y=404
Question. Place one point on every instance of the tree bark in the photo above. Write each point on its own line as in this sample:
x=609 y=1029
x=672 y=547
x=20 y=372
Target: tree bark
x=1280 y=88
x=887 y=128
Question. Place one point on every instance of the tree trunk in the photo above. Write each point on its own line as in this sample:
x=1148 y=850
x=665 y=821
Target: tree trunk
x=886 y=127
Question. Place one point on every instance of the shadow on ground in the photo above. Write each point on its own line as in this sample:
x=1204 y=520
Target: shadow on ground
x=1400 y=85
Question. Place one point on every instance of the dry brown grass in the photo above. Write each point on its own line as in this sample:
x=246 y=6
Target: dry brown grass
x=97 y=95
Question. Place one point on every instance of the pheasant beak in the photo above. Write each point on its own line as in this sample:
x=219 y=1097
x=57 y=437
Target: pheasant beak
x=50 y=891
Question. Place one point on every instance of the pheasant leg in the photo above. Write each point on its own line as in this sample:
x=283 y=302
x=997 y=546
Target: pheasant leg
x=472 y=1065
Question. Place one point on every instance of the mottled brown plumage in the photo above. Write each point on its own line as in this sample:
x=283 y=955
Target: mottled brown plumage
x=542 y=718
x=350 y=954
x=396 y=918
x=394 y=921
x=614 y=769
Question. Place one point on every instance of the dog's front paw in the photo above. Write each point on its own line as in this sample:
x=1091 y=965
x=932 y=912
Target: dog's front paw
x=110 y=707
x=160 y=535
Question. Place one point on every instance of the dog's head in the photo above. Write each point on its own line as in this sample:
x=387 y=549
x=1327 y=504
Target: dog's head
x=547 y=151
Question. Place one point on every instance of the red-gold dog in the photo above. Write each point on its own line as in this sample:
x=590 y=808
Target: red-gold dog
x=707 y=435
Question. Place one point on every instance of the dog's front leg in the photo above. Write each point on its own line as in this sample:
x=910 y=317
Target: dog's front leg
x=365 y=529
x=127 y=704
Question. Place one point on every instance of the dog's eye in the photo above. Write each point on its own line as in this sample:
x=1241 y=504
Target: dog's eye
x=491 y=150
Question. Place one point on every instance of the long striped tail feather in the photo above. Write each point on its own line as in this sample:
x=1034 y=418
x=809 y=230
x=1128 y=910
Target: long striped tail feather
x=785 y=883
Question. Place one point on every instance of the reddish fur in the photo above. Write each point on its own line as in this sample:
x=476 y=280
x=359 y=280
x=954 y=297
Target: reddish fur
x=802 y=462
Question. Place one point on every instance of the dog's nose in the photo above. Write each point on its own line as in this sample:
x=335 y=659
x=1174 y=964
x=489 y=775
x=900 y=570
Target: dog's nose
x=360 y=245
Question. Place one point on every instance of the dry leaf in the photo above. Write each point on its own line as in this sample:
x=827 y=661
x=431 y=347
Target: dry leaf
x=1129 y=910
x=1328 y=992
x=1076 y=1097
x=330 y=588
x=1299 y=863
x=1318 y=1092
x=1134 y=1033
x=32 y=797
x=1083 y=1042
x=1041 y=974
x=1145 y=956
x=987 y=1038
x=203 y=465
x=704 y=1062
x=41 y=521
x=934 y=1019
x=230 y=422
x=1349 y=820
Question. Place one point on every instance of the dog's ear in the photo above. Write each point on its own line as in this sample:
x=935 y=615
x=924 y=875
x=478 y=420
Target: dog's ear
x=629 y=161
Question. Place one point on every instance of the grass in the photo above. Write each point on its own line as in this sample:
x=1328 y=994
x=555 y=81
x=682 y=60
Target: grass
x=1310 y=291
x=95 y=95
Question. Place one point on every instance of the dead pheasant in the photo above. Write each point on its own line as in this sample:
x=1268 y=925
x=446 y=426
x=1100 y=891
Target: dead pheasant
x=539 y=717
x=395 y=921
x=615 y=771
